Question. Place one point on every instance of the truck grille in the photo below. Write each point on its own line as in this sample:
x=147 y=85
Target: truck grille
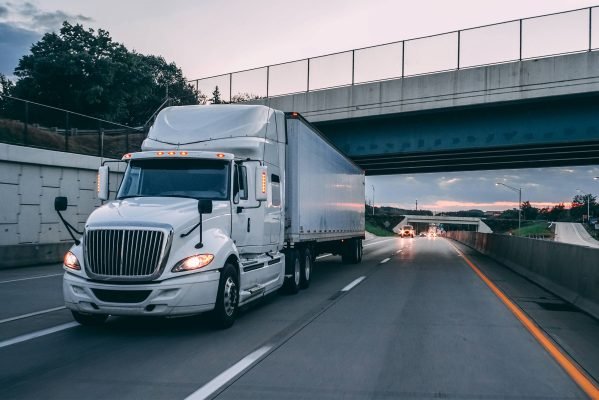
x=111 y=254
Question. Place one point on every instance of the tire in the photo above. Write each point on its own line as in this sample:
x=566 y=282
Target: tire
x=227 y=299
x=306 y=267
x=352 y=252
x=292 y=284
x=89 y=319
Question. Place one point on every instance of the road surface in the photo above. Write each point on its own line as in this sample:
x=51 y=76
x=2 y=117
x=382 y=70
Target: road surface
x=412 y=321
x=573 y=233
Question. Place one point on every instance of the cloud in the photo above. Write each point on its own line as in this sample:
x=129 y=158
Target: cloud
x=14 y=42
x=451 y=205
x=23 y=24
x=447 y=182
x=30 y=17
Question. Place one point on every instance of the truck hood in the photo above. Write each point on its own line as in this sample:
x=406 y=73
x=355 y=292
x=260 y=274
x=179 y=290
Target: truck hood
x=176 y=212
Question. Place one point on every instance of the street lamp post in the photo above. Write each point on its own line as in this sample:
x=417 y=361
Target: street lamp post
x=588 y=196
x=519 y=191
x=372 y=200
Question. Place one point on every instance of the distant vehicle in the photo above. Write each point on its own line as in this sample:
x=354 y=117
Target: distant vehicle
x=422 y=234
x=408 y=231
x=223 y=205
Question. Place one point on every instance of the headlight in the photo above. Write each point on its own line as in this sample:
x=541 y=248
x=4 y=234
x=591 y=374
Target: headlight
x=194 y=262
x=71 y=261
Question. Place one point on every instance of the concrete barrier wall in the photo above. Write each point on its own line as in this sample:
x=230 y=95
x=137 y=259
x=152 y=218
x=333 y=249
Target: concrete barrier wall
x=569 y=271
x=30 y=179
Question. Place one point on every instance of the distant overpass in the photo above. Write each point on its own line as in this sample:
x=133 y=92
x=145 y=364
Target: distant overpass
x=429 y=219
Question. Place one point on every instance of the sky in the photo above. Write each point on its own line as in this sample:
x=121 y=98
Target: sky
x=208 y=38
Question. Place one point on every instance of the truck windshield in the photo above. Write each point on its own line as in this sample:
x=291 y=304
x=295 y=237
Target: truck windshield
x=193 y=178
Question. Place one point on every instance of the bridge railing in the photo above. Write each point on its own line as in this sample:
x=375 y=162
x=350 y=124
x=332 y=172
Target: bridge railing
x=31 y=124
x=527 y=38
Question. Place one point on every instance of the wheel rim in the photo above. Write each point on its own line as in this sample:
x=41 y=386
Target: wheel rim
x=307 y=267
x=230 y=296
x=296 y=272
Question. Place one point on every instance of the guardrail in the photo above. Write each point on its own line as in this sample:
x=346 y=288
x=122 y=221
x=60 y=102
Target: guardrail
x=32 y=124
x=569 y=271
x=546 y=35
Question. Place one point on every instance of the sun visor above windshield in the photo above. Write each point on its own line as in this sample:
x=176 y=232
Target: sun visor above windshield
x=193 y=124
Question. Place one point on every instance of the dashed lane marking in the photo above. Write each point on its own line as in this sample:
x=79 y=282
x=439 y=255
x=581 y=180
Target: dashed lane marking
x=228 y=375
x=34 y=335
x=32 y=314
x=353 y=284
x=31 y=277
x=384 y=261
x=378 y=242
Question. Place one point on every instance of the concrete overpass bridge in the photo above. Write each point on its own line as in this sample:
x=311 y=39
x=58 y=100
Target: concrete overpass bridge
x=479 y=225
x=447 y=102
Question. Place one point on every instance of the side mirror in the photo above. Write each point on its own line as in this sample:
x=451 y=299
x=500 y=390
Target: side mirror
x=261 y=183
x=60 y=204
x=204 y=206
x=103 y=174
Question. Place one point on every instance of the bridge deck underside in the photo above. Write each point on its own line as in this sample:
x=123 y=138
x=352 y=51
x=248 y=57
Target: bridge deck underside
x=562 y=131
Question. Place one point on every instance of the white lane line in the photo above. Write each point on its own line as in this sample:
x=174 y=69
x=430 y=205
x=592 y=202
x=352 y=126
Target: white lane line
x=31 y=277
x=2 y=321
x=380 y=241
x=323 y=256
x=33 y=335
x=384 y=261
x=225 y=377
x=398 y=251
x=353 y=284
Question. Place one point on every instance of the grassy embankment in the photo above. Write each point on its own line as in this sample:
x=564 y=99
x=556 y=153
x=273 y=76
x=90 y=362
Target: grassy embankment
x=538 y=229
x=381 y=226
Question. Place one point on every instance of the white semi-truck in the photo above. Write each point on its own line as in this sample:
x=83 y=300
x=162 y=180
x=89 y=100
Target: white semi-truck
x=223 y=205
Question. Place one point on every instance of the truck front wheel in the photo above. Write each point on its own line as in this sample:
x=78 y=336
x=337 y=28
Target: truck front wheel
x=227 y=299
x=292 y=284
x=89 y=319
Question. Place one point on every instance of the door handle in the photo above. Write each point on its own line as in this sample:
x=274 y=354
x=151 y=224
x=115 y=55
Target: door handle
x=248 y=224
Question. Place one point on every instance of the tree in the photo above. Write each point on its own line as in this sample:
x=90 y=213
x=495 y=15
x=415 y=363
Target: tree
x=528 y=211
x=216 y=99
x=579 y=206
x=6 y=87
x=87 y=72
x=241 y=97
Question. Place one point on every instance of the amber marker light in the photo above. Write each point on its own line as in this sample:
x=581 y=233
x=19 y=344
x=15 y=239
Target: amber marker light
x=160 y=153
x=71 y=261
x=171 y=153
x=183 y=153
x=220 y=155
x=263 y=182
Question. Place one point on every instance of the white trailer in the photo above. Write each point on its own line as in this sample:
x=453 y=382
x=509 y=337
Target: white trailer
x=223 y=205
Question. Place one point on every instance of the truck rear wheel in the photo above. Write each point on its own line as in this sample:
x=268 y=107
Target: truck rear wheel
x=292 y=284
x=306 y=268
x=227 y=299
x=352 y=251
x=89 y=319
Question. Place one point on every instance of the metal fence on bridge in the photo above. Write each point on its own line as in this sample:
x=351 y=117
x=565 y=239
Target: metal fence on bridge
x=35 y=125
x=527 y=38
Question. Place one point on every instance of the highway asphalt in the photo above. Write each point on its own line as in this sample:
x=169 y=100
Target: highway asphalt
x=411 y=321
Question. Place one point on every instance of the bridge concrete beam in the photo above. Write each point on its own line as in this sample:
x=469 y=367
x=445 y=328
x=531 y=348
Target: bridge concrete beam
x=524 y=80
